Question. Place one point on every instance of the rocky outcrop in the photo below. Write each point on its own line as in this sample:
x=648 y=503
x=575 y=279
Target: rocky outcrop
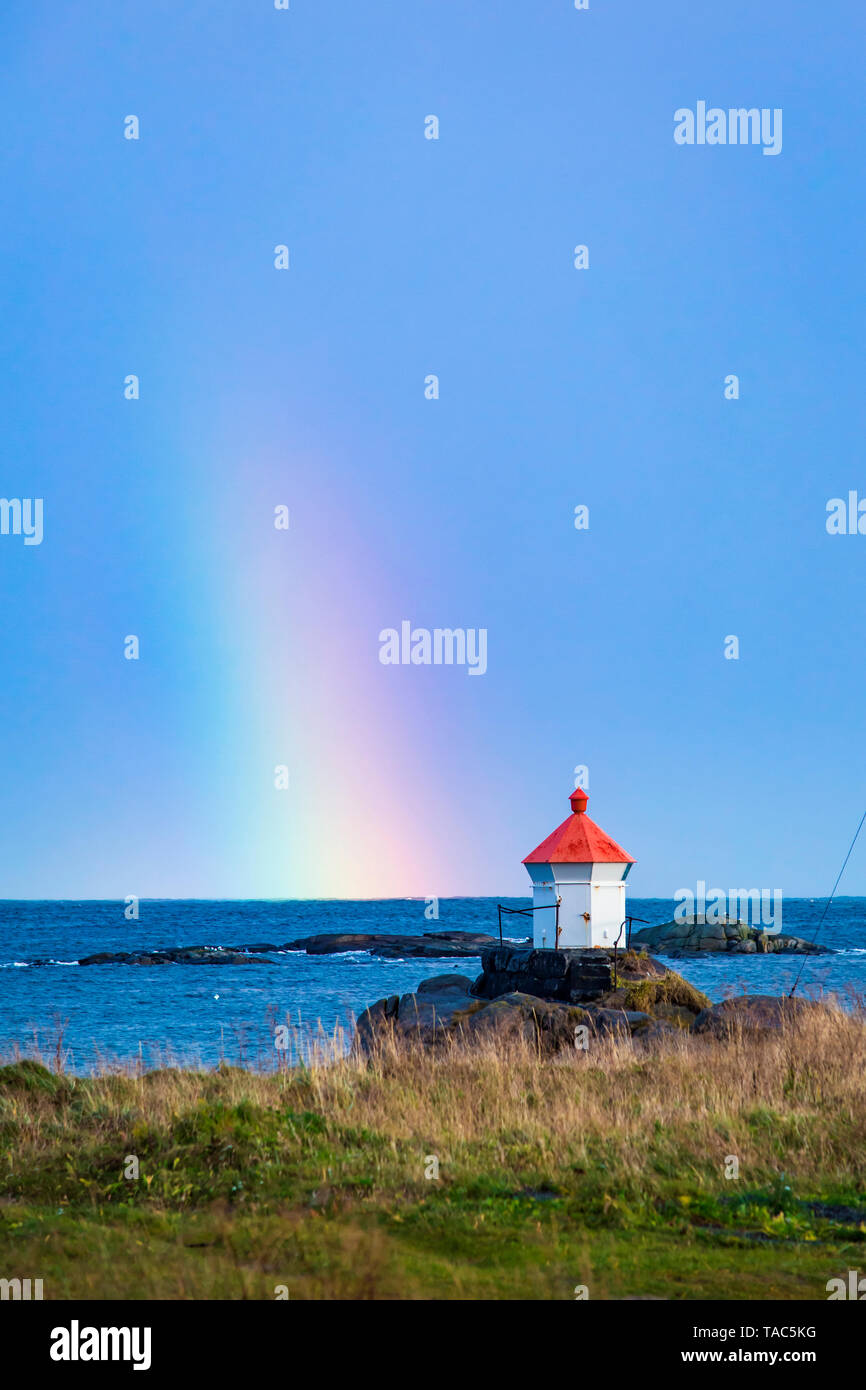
x=431 y=946
x=648 y=1002
x=665 y=998
x=694 y=934
x=446 y=1012
x=176 y=955
x=645 y=1002
x=424 y=1015
x=552 y=1026
x=752 y=1014
x=434 y=945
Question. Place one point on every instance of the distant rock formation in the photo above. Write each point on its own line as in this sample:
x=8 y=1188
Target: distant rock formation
x=693 y=935
x=174 y=955
x=434 y=945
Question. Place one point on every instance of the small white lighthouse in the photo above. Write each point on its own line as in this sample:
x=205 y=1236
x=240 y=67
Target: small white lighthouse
x=586 y=870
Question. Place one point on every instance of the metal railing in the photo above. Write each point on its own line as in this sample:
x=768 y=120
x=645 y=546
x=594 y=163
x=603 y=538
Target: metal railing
x=528 y=912
x=531 y=911
x=626 y=922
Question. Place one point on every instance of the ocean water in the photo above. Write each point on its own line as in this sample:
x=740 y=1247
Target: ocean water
x=102 y=1015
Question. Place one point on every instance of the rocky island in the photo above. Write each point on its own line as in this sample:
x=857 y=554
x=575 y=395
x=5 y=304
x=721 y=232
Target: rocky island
x=695 y=933
x=431 y=945
x=561 y=999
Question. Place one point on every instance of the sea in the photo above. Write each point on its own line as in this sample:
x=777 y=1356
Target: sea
x=92 y=1018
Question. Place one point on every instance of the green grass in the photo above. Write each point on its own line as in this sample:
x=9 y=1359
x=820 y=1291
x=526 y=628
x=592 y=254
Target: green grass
x=604 y=1169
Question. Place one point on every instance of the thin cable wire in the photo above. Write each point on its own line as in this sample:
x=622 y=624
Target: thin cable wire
x=829 y=900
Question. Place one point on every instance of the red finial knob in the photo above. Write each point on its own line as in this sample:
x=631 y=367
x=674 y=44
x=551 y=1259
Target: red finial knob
x=578 y=801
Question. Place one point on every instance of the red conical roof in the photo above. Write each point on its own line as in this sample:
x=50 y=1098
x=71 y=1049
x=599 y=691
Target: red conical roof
x=578 y=841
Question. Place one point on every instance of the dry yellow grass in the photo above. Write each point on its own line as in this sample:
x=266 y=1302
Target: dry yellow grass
x=587 y=1165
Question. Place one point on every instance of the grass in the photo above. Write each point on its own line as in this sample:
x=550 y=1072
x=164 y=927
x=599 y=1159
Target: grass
x=604 y=1169
x=672 y=990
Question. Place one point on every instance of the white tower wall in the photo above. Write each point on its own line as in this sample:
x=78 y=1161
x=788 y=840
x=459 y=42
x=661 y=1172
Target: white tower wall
x=592 y=904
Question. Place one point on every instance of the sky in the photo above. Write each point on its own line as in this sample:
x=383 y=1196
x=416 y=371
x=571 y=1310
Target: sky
x=307 y=388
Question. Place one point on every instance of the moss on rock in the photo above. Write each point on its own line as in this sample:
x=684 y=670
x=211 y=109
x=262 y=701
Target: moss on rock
x=671 y=989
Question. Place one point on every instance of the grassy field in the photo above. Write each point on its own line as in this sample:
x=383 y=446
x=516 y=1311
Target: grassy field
x=604 y=1169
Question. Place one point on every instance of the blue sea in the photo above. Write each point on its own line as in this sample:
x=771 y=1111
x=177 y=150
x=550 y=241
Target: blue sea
x=97 y=1016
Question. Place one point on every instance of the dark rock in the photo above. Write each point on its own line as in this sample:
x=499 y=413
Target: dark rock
x=692 y=935
x=676 y=1016
x=375 y=1020
x=509 y=1017
x=635 y=1018
x=564 y=975
x=549 y=1025
x=423 y=1016
x=715 y=930
x=432 y=945
x=637 y=965
x=612 y=1022
x=331 y=943
x=650 y=1002
x=791 y=943
x=465 y=938
x=209 y=955
x=176 y=955
x=445 y=984
x=751 y=1013
x=658 y=1031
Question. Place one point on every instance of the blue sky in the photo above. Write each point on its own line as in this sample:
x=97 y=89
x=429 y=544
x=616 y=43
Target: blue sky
x=558 y=387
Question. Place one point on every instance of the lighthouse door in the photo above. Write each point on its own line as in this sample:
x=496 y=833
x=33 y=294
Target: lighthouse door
x=574 y=914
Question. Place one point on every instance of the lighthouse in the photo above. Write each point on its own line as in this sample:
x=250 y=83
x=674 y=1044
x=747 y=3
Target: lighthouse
x=585 y=870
